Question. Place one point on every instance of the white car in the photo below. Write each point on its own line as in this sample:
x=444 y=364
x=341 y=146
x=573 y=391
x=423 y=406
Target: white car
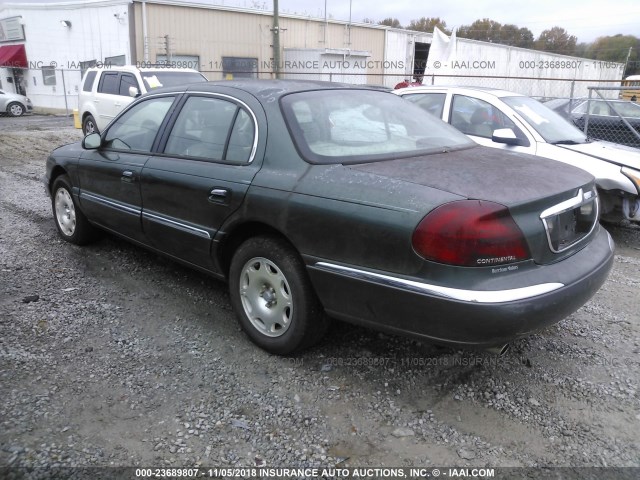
x=14 y=104
x=514 y=122
x=106 y=91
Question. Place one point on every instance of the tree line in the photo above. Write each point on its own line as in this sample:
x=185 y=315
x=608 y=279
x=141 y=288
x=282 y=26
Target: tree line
x=612 y=48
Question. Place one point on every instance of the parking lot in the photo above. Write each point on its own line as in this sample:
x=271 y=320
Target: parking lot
x=114 y=356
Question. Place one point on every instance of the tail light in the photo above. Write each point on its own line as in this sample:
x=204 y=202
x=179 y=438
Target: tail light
x=470 y=233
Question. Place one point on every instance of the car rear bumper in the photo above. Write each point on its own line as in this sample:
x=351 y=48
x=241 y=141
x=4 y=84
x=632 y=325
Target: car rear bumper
x=448 y=315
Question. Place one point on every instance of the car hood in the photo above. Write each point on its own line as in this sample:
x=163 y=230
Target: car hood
x=485 y=173
x=610 y=152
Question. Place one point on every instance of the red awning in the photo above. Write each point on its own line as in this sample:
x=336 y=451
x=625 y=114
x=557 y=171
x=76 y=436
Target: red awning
x=13 y=56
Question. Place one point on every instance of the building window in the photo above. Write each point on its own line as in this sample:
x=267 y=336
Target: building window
x=239 y=67
x=116 y=61
x=48 y=76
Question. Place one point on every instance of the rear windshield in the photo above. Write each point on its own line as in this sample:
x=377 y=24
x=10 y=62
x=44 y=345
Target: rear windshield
x=163 y=78
x=356 y=126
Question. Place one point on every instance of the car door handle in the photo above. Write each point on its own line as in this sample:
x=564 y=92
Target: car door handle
x=219 y=195
x=127 y=177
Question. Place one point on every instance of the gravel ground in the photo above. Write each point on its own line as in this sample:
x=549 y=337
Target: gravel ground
x=113 y=356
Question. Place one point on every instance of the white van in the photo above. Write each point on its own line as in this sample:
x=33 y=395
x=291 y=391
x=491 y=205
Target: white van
x=106 y=91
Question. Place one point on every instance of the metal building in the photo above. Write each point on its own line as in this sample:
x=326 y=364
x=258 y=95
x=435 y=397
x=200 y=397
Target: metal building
x=44 y=49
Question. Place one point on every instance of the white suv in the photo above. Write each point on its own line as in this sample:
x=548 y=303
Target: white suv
x=106 y=91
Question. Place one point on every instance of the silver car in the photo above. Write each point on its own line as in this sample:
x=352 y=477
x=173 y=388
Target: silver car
x=14 y=104
x=517 y=123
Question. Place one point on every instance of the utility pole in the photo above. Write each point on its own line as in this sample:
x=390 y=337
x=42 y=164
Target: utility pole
x=276 y=40
x=626 y=62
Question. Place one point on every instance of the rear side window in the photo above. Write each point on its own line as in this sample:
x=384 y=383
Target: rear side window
x=241 y=140
x=212 y=129
x=109 y=83
x=430 y=102
x=88 y=81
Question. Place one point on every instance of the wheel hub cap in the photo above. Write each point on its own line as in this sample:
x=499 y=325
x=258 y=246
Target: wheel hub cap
x=266 y=297
x=65 y=212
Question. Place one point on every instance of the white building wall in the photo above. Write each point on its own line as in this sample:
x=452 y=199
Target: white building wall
x=530 y=72
x=335 y=65
x=98 y=30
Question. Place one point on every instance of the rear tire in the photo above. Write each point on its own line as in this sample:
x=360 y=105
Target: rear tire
x=273 y=297
x=71 y=223
x=89 y=125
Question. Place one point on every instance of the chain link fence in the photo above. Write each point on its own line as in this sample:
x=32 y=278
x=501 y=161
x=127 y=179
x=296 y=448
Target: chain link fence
x=605 y=118
x=593 y=105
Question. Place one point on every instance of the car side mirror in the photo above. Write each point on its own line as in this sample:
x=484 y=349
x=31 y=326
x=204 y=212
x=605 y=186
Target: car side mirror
x=506 y=136
x=92 y=141
x=134 y=92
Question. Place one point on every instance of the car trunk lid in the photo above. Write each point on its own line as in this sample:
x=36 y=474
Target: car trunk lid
x=545 y=198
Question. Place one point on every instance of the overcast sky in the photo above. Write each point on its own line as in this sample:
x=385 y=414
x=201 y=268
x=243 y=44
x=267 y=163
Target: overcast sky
x=586 y=19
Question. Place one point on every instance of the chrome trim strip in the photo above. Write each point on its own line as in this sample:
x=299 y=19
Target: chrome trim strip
x=180 y=226
x=475 y=296
x=579 y=200
x=612 y=244
x=563 y=206
x=254 y=148
x=110 y=203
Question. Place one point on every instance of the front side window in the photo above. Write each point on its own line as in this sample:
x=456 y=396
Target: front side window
x=355 y=126
x=479 y=118
x=137 y=128
x=212 y=129
x=127 y=80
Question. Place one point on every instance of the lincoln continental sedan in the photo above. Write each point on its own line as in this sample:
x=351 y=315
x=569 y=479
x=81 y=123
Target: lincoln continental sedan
x=317 y=201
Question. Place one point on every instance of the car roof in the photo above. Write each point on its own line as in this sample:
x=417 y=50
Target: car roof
x=612 y=100
x=496 y=92
x=133 y=69
x=266 y=88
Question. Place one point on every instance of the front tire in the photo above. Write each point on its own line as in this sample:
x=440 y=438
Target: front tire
x=273 y=297
x=71 y=223
x=89 y=125
x=15 y=109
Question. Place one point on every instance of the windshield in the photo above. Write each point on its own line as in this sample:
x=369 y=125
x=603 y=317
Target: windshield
x=356 y=126
x=164 y=78
x=551 y=126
